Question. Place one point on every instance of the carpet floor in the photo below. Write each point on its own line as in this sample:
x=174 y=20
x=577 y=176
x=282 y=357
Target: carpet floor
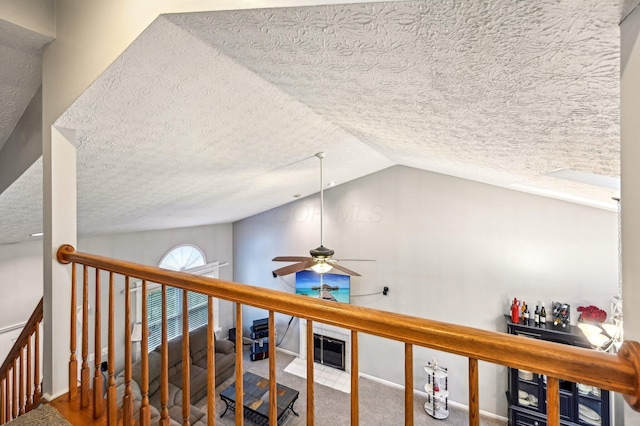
x=42 y=415
x=380 y=405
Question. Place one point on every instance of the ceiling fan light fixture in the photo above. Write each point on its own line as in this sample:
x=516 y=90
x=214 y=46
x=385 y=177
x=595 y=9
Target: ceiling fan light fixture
x=322 y=267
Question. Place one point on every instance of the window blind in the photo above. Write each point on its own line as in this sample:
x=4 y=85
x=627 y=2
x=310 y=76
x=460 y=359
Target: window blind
x=198 y=313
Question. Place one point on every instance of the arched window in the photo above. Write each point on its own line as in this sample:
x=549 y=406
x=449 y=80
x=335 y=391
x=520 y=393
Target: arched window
x=186 y=258
x=182 y=258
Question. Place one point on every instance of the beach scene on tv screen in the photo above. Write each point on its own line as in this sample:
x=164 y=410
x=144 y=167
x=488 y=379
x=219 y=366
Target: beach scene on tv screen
x=333 y=286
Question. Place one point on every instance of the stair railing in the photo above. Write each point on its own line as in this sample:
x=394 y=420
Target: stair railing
x=20 y=379
x=619 y=373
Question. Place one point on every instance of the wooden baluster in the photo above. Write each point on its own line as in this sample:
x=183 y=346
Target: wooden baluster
x=73 y=362
x=164 y=374
x=21 y=376
x=186 y=360
x=7 y=398
x=14 y=388
x=29 y=375
x=211 y=365
x=6 y=415
x=355 y=368
x=127 y=400
x=85 y=380
x=273 y=392
x=36 y=367
x=239 y=367
x=553 y=401
x=145 y=409
x=408 y=384
x=2 y=391
x=98 y=381
x=474 y=400
x=112 y=404
x=310 y=374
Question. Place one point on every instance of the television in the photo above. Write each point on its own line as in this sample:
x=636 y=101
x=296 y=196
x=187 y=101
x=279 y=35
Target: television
x=334 y=287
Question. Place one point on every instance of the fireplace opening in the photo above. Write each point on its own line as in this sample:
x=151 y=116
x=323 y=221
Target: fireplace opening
x=329 y=351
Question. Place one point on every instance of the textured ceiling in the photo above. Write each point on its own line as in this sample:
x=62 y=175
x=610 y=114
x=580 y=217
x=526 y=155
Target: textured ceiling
x=209 y=117
x=20 y=73
x=175 y=133
x=500 y=92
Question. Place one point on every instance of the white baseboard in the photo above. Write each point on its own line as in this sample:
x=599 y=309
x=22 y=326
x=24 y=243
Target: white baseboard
x=424 y=394
x=49 y=397
x=286 y=351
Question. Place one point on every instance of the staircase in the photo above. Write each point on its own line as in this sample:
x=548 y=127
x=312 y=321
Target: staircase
x=20 y=378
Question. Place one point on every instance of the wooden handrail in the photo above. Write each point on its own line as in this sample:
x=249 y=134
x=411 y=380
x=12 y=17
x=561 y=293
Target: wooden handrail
x=27 y=332
x=16 y=371
x=619 y=373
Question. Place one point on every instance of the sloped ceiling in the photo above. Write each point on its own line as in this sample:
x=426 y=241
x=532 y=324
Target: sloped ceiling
x=212 y=117
x=20 y=73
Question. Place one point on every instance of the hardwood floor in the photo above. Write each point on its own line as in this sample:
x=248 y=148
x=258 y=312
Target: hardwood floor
x=71 y=411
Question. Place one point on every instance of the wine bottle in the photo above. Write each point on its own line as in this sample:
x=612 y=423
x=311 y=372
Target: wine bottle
x=523 y=307
x=543 y=316
x=536 y=317
x=515 y=311
x=526 y=314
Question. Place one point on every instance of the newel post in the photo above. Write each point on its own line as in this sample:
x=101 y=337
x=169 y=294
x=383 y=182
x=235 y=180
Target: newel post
x=73 y=360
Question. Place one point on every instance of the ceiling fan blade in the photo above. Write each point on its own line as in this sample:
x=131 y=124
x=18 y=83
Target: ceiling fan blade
x=291 y=258
x=345 y=270
x=354 y=260
x=296 y=267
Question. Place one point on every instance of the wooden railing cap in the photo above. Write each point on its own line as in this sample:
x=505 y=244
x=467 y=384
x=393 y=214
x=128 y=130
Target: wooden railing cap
x=617 y=373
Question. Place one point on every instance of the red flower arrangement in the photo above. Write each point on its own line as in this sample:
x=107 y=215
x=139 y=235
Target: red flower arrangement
x=592 y=313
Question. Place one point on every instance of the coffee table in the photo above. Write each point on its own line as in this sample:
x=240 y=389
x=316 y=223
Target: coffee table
x=256 y=399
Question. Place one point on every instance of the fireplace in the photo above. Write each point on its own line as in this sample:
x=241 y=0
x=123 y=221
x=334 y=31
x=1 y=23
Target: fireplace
x=329 y=351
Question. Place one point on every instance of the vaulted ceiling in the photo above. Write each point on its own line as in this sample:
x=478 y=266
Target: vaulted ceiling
x=212 y=117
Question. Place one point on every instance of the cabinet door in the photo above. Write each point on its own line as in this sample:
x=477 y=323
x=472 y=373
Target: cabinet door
x=590 y=407
x=527 y=389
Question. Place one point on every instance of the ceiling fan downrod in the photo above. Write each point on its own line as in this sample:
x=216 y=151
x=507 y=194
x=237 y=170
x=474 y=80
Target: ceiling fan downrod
x=320 y=155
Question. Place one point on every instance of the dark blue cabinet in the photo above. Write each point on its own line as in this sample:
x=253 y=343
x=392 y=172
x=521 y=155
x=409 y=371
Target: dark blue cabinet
x=527 y=391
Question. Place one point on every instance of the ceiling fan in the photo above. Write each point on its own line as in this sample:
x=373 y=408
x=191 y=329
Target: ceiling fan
x=321 y=260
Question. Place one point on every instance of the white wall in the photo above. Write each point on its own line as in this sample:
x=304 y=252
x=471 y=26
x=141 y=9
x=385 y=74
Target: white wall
x=36 y=15
x=21 y=281
x=630 y=178
x=448 y=249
